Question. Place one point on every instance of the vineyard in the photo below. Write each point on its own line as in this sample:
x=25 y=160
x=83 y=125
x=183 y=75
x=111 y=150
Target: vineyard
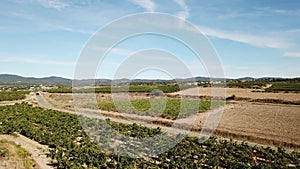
x=72 y=148
x=284 y=87
x=174 y=108
x=277 y=86
x=13 y=95
x=247 y=84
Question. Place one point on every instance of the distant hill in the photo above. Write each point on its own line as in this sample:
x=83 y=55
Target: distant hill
x=246 y=78
x=13 y=79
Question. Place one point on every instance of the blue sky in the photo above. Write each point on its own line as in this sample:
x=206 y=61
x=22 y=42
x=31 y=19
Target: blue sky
x=252 y=38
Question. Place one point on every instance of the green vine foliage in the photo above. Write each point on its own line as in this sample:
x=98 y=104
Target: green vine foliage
x=12 y=95
x=174 y=108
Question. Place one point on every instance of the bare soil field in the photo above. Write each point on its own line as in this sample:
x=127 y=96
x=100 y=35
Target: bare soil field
x=277 y=122
x=269 y=124
x=239 y=92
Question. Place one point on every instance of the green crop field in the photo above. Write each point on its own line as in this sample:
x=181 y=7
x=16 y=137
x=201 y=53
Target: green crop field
x=60 y=131
x=167 y=108
x=284 y=87
x=247 y=84
x=279 y=85
x=13 y=95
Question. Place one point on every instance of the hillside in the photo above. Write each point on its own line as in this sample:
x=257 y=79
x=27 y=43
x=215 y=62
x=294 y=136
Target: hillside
x=13 y=79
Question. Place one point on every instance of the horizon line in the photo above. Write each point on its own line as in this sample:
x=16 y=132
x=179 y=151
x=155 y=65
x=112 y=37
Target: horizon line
x=106 y=78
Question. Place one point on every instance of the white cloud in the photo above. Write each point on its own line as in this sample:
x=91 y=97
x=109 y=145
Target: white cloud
x=184 y=14
x=34 y=60
x=149 y=5
x=55 y=4
x=255 y=40
x=292 y=54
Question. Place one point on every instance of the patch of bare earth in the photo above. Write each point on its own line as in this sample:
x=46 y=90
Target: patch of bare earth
x=269 y=124
x=266 y=123
x=262 y=122
x=239 y=92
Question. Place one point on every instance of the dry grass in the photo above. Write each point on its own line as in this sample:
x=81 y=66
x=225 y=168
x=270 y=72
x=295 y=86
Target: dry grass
x=276 y=122
x=16 y=157
x=269 y=124
x=242 y=93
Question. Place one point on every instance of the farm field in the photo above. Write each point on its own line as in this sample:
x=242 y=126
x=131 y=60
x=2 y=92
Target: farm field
x=270 y=124
x=12 y=95
x=242 y=93
x=285 y=87
x=267 y=122
x=155 y=107
x=117 y=89
x=10 y=98
x=261 y=122
x=65 y=100
x=70 y=146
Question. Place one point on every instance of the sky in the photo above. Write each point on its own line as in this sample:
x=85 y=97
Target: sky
x=40 y=38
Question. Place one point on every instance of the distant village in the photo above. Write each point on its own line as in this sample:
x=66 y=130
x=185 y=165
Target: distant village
x=31 y=88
